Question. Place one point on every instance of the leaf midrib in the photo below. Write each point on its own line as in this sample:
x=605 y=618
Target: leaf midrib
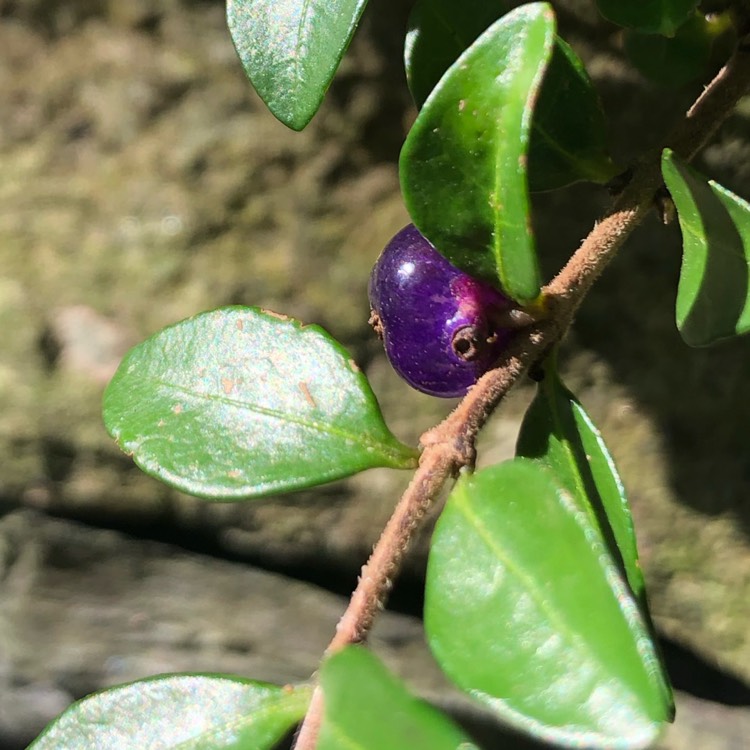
x=534 y=592
x=325 y=428
x=296 y=61
x=244 y=721
x=498 y=173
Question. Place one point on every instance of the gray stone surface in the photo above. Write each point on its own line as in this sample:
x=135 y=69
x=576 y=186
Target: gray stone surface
x=83 y=609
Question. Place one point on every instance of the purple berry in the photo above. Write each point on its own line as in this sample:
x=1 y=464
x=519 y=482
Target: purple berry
x=436 y=322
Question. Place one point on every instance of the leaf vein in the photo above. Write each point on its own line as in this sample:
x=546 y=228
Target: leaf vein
x=296 y=60
x=245 y=721
x=313 y=425
x=533 y=590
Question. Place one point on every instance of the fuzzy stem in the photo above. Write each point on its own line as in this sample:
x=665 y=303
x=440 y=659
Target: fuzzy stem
x=450 y=446
x=435 y=468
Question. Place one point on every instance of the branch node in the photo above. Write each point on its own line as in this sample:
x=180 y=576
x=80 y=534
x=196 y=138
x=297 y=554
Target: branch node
x=452 y=444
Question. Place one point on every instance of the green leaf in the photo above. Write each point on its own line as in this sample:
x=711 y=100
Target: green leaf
x=568 y=137
x=367 y=708
x=526 y=611
x=185 y=712
x=240 y=402
x=439 y=32
x=662 y=17
x=673 y=61
x=560 y=434
x=290 y=49
x=568 y=130
x=713 y=297
x=463 y=166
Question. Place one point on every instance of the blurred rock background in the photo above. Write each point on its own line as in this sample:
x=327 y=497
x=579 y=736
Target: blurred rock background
x=142 y=181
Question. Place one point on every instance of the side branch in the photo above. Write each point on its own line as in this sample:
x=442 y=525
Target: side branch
x=450 y=446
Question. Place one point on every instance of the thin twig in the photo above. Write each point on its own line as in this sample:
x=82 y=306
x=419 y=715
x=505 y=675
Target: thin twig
x=450 y=446
x=435 y=468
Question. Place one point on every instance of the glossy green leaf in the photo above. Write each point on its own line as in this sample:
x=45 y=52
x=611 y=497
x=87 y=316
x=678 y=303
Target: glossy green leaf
x=558 y=432
x=463 y=166
x=367 y=708
x=439 y=32
x=673 y=61
x=526 y=610
x=290 y=49
x=713 y=297
x=568 y=137
x=568 y=130
x=179 y=712
x=240 y=402
x=651 y=16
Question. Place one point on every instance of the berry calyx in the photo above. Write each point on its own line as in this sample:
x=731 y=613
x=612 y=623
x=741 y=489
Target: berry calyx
x=440 y=327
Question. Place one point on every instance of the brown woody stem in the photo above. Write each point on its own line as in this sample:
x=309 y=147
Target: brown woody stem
x=450 y=446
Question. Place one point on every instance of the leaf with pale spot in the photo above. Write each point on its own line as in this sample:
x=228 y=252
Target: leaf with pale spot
x=240 y=403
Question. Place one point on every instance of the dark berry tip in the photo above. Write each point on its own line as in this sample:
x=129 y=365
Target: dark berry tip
x=467 y=343
x=440 y=327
